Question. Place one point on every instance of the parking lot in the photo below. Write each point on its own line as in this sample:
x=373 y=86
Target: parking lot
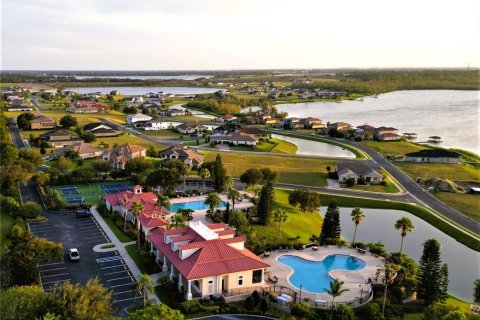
x=84 y=234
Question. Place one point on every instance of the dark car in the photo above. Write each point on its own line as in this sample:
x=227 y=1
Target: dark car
x=83 y=213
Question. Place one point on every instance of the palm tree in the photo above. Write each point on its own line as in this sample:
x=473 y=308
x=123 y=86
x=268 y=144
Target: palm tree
x=233 y=195
x=144 y=285
x=137 y=208
x=205 y=174
x=179 y=220
x=212 y=200
x=357 y=218
x=280 y=217
x=390 y=274
x=163 y=201
x=185 y=169
x=405 y=225
x=335 y=290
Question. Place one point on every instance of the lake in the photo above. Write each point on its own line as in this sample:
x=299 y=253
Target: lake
x=315 y=148
x=378 y=225
x=159 y=77
x=450 y=114
x=138 y=91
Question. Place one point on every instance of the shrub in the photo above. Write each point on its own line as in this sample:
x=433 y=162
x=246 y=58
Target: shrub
x=302 y=310
x=377 y=248
x=384 y=183
x=350 y=182
x=107 y=245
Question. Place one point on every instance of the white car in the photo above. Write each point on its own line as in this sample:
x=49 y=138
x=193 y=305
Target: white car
x=73 y=254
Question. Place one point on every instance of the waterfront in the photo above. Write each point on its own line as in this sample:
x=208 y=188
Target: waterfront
x=378 y=225
x=316 y=148
x=158 y=77
x=451 y=114
x=134 y=91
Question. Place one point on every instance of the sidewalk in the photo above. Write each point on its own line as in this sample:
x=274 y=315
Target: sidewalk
x=120 y=247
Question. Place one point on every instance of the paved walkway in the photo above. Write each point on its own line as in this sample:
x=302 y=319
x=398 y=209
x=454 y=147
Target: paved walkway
x=120 y=247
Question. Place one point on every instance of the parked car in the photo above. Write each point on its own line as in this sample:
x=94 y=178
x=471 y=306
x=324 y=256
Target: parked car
x=83 y=213
x=73 y=254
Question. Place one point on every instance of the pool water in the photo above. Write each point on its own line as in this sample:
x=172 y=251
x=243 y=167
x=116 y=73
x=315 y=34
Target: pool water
x=193 y=205
x=313 y=275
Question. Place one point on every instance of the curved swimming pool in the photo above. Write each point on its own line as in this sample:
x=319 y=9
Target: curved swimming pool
x=313 y=275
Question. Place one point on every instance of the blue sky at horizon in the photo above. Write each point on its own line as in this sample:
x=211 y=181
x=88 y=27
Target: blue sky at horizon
x=246 y=34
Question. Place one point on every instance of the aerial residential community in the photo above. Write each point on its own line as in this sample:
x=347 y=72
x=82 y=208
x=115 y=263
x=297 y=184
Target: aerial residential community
x=193 y=183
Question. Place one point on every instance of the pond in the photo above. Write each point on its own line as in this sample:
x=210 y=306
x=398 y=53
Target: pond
x=378 y=225
x=134 y=91
x=316 y=148
x=451 y=114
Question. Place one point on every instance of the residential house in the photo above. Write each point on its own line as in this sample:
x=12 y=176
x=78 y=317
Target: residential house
x=256 y=132
x=84 y=106
x=341 y=127
x=365 y=131
x=207 y=260
x=180 y=152
x=42 y=122
x=119 y=155
x=368 y=172
x=175 y=112
x=100 y=129
x=151 y=217
x=433 y=156
x=84 y=150
x=227 y=118
x=227 y=128
x=61 y=138
x=267 y=119
x=19 y=107
x=236 y=138
x=312 y=123
x=132 y=118
x=386 y=134
x=160 y=123
x=190 y=128
x=291 y=124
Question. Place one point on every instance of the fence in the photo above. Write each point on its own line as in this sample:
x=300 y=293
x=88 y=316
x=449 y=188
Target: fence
x=351 y=303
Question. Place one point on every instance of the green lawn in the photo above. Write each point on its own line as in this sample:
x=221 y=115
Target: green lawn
x=6 y=222
x=302 y=224
x=125 y=138
x=466 y=203
x=167 y=133
x=120 y=235
x=146 y=264
x=272 y=145
x=394 y=147
x=418 y=211
x=389 y=188
x=310 y=172
x=440 y=170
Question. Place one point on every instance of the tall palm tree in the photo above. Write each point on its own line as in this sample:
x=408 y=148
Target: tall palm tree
x=205 y=174
x=233 y=195
x=280 y=217
x=163 y=201
x=212 y=200
x=405 y=225
x=357 y=218
x=137 y=208
x=390 y=274
x=335 y=290
x=185 y=169
x=144 y=285
x=179 y=220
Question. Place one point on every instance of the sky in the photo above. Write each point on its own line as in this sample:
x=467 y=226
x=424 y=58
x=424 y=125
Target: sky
x=238 y=34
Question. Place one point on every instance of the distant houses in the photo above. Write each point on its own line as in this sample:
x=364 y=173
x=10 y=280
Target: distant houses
x=133 y=118
x=84 y=150
x=61 y=138
x=180 y=152
x=101 y=130
x=84 y=106
x=190 y=128
x=386 y=134
x=433 y=156
x=42 y=122
x=237 y=139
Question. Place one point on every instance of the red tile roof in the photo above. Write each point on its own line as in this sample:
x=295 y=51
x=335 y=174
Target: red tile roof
x=213 y=257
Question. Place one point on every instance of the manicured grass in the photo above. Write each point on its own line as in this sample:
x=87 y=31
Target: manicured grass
x=389 y=188
x=463 y=306
x=272 y=145
x=302 y=224
x=120 y=235
x=418 y=211
x=167 y=133
x=6 y=222
x=310 y=172
x=82 y=119
x=144 y=263
x=413 y=316
x=122 y=139
x=440 y=170
x=394 y=147
x=466 y=203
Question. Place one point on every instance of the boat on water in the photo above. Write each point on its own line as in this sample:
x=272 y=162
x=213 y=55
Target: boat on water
x=410 y=135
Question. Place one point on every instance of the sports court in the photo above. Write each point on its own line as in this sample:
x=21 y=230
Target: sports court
x=90 y=193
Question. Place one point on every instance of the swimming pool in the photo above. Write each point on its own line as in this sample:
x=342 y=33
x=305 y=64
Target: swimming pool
x=194 y=205
x=313 y=275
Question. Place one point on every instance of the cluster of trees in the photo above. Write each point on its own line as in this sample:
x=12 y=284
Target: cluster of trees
x=24 y=120
x=254 y=176
x=307 y=200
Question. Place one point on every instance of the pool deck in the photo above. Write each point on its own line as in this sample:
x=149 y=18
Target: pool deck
x=199 y=215
x=354 y=280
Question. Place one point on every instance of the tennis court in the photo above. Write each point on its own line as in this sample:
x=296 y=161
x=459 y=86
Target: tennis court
x=69 y=190
x=114 y=188
x=90 y=193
